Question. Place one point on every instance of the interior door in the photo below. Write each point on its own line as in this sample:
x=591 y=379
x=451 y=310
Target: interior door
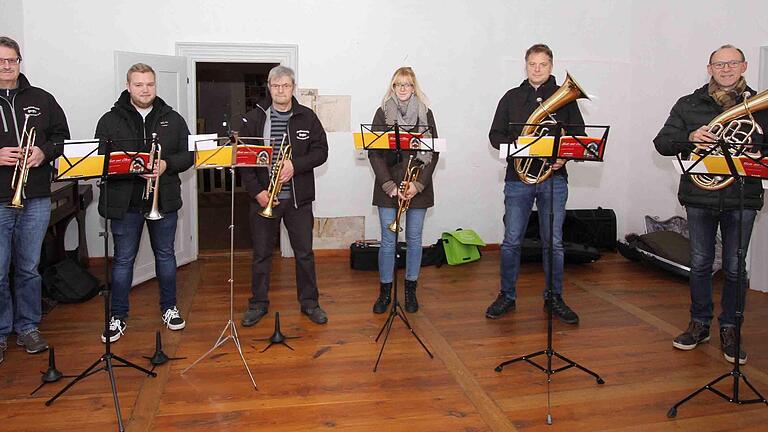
x=172 y=81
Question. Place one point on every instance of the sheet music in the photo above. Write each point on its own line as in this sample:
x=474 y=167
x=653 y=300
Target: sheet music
x=202 y=142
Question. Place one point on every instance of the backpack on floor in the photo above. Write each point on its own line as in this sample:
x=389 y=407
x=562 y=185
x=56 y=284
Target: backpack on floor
x=67 y=282
x=461 y=246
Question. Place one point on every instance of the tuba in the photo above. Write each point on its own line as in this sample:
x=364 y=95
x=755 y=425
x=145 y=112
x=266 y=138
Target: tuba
x=731 y=128
x=528 y=171
x=274 y=179
x=21 y=171
x=153 y=183
x=412 y=171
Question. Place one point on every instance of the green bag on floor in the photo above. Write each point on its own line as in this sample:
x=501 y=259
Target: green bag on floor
x=461 y=246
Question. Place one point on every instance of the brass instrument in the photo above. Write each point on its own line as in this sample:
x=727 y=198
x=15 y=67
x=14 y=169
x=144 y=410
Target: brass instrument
x=153 y=183
x=21 y=171
x=568 y=92
x=729 y=127
x=274 y=180
x=411 y=175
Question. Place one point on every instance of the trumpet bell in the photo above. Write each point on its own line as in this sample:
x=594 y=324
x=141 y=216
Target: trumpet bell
x=394 y=227
x=153 y=214
x=267 y=212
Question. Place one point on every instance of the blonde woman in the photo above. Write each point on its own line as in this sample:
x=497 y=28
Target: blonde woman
x=406 y=104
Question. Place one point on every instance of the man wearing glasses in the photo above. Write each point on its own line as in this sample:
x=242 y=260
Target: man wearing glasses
x=23 y=107
x=707 y=209
x=279 y=116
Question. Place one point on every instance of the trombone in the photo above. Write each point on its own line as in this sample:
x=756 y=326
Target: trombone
x=274 y=180
x=152 y=188
x=412 y=171
x=21 y=170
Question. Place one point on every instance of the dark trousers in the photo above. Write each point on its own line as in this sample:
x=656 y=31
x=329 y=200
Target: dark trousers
x=264 y=234
x=702 y=228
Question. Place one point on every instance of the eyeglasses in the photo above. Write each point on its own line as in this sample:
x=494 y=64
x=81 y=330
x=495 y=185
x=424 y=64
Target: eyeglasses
x=281 y=86
x=10 y=61
x=731 y=64
x=402 y=86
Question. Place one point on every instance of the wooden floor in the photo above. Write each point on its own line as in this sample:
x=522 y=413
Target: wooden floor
x=629 y=315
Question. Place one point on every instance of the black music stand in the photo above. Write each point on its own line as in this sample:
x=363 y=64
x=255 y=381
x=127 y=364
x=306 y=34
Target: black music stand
x=589 y=153
x=230 y=143
x=108 y=357
x=735 y=372
x=416 y=141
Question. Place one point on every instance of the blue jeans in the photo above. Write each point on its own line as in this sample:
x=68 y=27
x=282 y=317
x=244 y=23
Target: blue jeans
x=21 y=238
x=518 y=203
x=126 y=234
x=414 y=225
x=702 y=229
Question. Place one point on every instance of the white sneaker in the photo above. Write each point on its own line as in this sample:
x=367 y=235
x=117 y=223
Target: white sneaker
x=173 y=319
x=116 y=329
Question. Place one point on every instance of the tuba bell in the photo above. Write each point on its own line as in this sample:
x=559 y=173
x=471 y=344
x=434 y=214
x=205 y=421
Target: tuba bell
x=153 y=183
x=274 y=179
x=528 y=171
x=21 y=170
x=732 y=128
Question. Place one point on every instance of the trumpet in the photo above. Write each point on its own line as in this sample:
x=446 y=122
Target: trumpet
x=21 y=171
x=274 y=180
x=412 y=171
x=153 y=185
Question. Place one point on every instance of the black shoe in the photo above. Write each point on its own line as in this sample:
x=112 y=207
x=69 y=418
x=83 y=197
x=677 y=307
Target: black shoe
x=3 y=347
x=385 y=296
x=695 y=334
x=411 y=303
x=117 y=328
x=561 y=310
x=172 y=319
x=499 y=307
x=728 y=345
x=253 y=315
x=316 y=314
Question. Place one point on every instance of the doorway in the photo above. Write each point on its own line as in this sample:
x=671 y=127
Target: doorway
x=224 y=91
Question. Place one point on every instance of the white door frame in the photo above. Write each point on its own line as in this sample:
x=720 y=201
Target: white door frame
x=284 y=54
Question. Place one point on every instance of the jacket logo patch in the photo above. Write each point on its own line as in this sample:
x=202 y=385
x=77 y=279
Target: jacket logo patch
x=302 y=134
x=164 y=123
x=32 y=111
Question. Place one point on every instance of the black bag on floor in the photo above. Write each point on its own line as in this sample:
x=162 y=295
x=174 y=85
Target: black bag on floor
x=67 y=282
x=589 y=227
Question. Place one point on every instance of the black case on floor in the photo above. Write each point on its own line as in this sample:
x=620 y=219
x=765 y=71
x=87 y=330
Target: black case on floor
x=589 y=227
x=364 y=255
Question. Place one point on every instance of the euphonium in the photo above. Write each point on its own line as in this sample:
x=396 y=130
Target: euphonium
x=274 y=180
x=153 y=183
x=412 y=171
x=21 y=171
x=529 y=172
x=729 y=127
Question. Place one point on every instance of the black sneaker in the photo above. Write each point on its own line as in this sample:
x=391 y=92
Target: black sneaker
x=117 y=328
x=499 y=307
x=253 y=315
x=728 y=345
x=695 y=334
x=316 y=314
x=172 y=319
x=561 y=310
x=32 y=341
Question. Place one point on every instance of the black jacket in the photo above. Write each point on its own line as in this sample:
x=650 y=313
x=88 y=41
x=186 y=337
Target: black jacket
x=517 y=105
x=50 y=124
x=386 y=166
x=688 y=114
x=123 y=122
x=309 y=147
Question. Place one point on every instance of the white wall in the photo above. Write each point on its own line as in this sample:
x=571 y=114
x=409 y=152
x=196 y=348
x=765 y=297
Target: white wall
x=637 y=57
x=12 y=22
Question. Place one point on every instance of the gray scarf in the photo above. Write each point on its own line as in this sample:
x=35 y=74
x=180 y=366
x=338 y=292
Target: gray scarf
x=413 y=115
x=410 y=113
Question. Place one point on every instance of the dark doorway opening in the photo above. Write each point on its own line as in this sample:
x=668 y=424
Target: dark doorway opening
x=224 y=91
